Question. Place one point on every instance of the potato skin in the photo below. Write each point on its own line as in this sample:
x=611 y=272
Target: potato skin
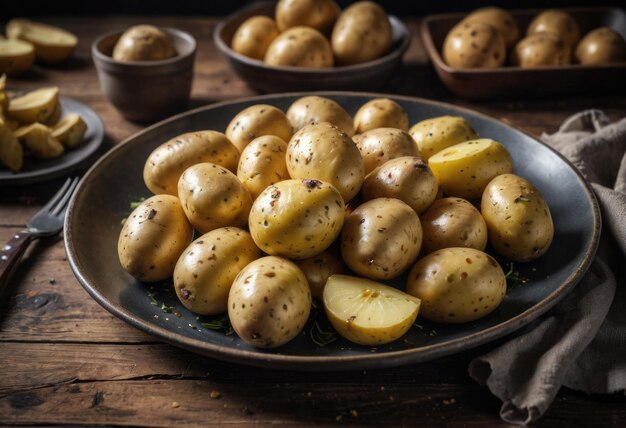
x=300 y=47
x=313 y=109
x=380 y=145
x=144 y=43
x=601 y=46
x=318 y=14
x=318 y=269
x=362 y=33
x=437 y=133
x=557 y=22
x=213 y=197
x=325 y=152
x=380 y=113
x=297 y=219
x=254 y=36
x=407 y=178
x=207 y=268
x=457 y=285
x=262 y=163
x=473 y=44
x=153 y=237
x=500 y=19
x=256 y=121
x=518 y=218
x=269 y=302
x=541 y=50
x=381 y=238
x=453 y=222
x=167 y=162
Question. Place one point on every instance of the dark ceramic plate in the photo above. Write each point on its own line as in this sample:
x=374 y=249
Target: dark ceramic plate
x=37 y=170
x=93 y=225
x=515 y=81
x=265 y=78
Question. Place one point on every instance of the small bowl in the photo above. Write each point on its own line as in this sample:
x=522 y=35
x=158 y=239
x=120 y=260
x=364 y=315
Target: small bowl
x=145 y=91
x=266 y=78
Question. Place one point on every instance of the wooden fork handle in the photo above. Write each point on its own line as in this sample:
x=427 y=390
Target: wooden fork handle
x=10 y=254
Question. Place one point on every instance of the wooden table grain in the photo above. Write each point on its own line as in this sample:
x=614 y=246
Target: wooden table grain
x=65 y=360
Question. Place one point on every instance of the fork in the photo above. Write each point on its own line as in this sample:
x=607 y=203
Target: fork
x=47 y=222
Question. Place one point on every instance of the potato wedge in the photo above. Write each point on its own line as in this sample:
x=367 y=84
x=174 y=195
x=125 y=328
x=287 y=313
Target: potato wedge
x=11 y=151
x=52 y=44
x=35 y=106
x=16 y=56
x=55 y=117
x=70 y=130
x=39 y=140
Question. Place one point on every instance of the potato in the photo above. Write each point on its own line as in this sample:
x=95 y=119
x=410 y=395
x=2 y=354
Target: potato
x=167 y=162
x=541 y=50
x=312 y=110
x=256 y=121
x=207 y=268
x=518 y=218
x=35 y=106
x=498 y=18
x=153 y=237
x=55 y=117
x=269 y=302
x=437 y=133
x=318 y=269
x=380 y=113
x=16 y=57
x=213 y=197
x=474 y=45
x=144 y=43
x=319 y=14
x=457 y=285
x=11 y=152
x=53 y=45
x=296 y=219
x=453 y=222
x=300 y=47
x=254 y=36
x=70 y=131
x=362 y=33
x=557 y=22
x=601 y=46
x=262 y=163
x=380 y=145
x=38 y=139
x=381 y=238
x=407 y=178
x=367 y=312
x=465 y=169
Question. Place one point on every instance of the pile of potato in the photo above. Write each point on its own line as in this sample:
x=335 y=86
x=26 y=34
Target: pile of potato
x=316 y=34
x=287 y=203
x=489 y=38
x=32 y=125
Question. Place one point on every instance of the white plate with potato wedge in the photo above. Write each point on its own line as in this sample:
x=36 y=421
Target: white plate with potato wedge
x=335 y=334
x=45 y=135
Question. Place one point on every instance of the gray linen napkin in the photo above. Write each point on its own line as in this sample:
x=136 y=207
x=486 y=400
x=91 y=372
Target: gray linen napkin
x=581 y=343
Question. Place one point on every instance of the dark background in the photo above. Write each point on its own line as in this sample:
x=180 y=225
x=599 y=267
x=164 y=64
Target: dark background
x=16 y=8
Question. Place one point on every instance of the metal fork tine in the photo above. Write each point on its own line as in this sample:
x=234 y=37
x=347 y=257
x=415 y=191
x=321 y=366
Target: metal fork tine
x=58 y=195
x=62 y=204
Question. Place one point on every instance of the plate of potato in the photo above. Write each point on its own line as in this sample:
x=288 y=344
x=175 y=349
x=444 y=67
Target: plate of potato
x=330 y=230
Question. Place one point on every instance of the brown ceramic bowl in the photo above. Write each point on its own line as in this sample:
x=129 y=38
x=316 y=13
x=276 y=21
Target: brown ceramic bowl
x=145 y=91
x=266 y=78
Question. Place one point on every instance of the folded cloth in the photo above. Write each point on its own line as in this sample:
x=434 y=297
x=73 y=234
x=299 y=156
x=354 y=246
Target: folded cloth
x=581 y=343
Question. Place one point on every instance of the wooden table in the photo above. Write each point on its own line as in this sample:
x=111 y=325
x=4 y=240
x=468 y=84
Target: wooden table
x=65 y=360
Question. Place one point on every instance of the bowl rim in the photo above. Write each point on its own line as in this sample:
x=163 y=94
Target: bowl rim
x=225 y=48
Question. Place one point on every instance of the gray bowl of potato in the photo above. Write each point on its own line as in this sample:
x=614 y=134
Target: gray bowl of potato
x=300 y=58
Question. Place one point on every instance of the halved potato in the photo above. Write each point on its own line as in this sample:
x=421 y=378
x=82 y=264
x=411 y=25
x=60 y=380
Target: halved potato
x=11 y=152
x=52 y=44
x=55 y=117
x=35 y=106
x=70 y=130
x=39 y=140
x=16 y=56
x=367 y=312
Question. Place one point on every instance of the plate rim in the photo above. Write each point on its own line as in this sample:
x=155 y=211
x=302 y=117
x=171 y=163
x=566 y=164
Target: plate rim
x=333 y=363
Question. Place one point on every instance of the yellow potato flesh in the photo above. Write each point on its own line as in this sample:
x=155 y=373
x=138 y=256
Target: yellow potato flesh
x=35 y=106
x=70 y=131
x=39 y=140
x=16 y=56
x=52 y=44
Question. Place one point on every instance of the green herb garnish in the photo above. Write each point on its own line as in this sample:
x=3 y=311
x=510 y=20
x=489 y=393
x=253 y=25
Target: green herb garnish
x=135 y=204
x=321 y=337
x=219 y=324
x=166 y=309
x=153 y=300
x=513 y=278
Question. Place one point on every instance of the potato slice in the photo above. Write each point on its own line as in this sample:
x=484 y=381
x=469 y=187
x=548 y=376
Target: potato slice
x=70 y=130
x=35 y=106
x=11 y=152
x=39 y=140
x=367 y=312
x=52 y=44
x=16 y=56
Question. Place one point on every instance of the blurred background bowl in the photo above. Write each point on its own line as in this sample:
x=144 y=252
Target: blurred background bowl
x=145 y=91
x=370 y=75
